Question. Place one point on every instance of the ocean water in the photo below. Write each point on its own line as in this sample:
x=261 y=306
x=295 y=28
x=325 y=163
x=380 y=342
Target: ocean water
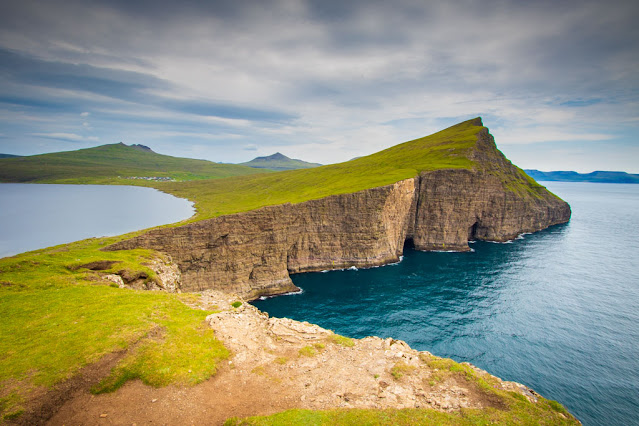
x=557 y=310
x=37 y=216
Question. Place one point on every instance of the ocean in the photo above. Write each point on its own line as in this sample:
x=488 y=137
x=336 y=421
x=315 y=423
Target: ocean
x=557 y=310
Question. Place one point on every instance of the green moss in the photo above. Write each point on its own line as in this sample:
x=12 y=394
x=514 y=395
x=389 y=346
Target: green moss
x=236 y=304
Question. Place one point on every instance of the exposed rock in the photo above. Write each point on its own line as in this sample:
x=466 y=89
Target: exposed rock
x=382 y=373
x=167 y=276
x=114 y=278
x=253 y=253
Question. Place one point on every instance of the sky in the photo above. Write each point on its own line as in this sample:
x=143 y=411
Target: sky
x=556 y=82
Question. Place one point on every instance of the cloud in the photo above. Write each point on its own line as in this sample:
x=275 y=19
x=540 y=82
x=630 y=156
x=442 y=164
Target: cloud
x=68 y=137
x=332 y=79
x=250 y=147
x=121 y=85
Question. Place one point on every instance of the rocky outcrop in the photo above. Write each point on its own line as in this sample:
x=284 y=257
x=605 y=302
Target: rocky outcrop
x=253 y=253
x=166 y=275
x=311 y=362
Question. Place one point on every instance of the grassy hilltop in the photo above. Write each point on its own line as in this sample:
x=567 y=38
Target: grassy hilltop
x=112 y=164
x=59 y=317
x=448 y=149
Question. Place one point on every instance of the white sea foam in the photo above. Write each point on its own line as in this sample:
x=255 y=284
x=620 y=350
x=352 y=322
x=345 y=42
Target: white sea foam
x=290 y=293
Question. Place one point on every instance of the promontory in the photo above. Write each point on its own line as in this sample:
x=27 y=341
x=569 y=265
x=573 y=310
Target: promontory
x=434 y=193
x=154 y=326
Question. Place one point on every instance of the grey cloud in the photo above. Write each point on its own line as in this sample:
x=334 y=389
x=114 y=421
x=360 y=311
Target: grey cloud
x=328 y=64
x=126 y=86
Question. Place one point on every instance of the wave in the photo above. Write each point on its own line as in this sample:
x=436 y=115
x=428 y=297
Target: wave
x=290 y=293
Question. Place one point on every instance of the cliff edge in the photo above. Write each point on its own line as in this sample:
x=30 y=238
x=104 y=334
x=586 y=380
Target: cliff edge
x=441 y=208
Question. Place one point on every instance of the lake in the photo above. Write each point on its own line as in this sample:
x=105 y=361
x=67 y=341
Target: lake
x=557 y=310
x=34 y=216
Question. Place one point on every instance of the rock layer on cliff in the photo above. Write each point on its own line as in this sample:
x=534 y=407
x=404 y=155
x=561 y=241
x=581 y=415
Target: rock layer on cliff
x=252 y=253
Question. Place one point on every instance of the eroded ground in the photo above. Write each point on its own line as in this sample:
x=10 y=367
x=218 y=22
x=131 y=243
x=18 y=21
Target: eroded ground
x=278 y=364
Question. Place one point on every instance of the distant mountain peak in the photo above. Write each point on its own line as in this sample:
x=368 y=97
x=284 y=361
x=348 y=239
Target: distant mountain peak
x=141 y=147
x=276 y=156
x=279 y=161
x=137 y=146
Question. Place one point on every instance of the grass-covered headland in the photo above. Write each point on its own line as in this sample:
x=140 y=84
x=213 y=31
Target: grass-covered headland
x=58 y=318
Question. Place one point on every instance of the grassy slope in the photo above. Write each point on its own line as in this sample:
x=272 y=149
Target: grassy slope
x=56 y=320
x=447 y=149
x=103 y=164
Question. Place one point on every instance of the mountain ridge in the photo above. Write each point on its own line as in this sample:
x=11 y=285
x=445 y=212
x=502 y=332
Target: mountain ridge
x=601 y=176
x=112 y=164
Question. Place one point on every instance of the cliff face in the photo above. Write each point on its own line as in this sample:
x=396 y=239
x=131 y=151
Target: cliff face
x=495 y=202
x=253 y=253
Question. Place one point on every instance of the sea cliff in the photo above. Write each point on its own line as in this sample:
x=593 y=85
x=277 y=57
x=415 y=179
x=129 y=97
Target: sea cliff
x=253 y=253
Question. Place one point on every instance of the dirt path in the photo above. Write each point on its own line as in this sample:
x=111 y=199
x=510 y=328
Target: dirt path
x=278 y=364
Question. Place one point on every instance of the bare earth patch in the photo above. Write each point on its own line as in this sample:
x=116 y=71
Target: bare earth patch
x=278 y=364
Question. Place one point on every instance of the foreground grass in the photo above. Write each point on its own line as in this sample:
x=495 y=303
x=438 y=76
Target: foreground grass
x=56 y=320
x=519 y=414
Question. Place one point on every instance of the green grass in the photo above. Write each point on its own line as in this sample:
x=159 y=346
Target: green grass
x=400 y=369
x=522 y=414
x=308 y=351
x=55 y=320
x=448 y=149
x=341 y=340
x=451 y=148
x=112 y=164
x=220 y=189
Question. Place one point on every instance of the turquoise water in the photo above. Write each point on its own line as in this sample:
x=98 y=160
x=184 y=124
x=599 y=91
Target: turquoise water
x=38 y=216
x=557 y=310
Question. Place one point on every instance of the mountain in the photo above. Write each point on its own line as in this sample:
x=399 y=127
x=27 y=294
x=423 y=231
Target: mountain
x=598 y=176
x=8 y=156
x=279 y=161
x=112 y=164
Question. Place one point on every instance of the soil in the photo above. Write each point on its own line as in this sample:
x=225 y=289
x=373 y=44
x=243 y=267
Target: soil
x=277 y=364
